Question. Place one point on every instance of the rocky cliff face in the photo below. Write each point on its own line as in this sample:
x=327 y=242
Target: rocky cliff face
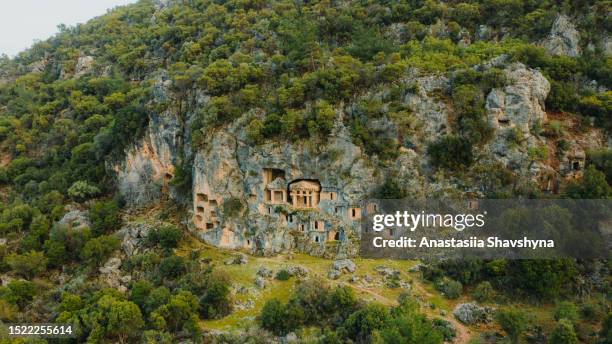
x=149 y=165
x=514 y=110
x=564 y=39
x=244 y=196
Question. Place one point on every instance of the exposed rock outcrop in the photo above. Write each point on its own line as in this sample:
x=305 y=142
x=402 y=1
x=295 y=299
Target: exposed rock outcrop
x=111 y=275
x=149 y=165
x=564 y=39
x=514 y=110
x=83 y=66
x=133 y=237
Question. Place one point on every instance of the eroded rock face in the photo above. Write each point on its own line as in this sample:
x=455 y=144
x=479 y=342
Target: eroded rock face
x=133 y=237
x=232 y=206
x=564 y=39
x=83 y=65
x=149 y=165
x=514 y=110
x=75 y=219
x=243 y=194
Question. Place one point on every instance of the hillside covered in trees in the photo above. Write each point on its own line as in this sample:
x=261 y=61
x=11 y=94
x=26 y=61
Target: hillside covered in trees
x=138 y=148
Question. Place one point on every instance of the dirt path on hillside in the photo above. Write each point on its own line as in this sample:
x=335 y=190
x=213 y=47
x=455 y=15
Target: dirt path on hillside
x=463 y=333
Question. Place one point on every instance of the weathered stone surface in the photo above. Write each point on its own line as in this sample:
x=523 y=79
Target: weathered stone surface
x=344 y=265
x=133 y=237
x=265 y=272
x=297 y=271
x=111 y=274
x=564 y=39
x=512 y=111
x=260 y=282
x=333 y=274
x=387 y=272
x=83 y=65
x=237 y=259
x=149 y=165
x=472 y=313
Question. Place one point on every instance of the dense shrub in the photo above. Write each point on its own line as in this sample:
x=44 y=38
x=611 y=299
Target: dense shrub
x=450 y=152
x=104 y=216
x=167 y=237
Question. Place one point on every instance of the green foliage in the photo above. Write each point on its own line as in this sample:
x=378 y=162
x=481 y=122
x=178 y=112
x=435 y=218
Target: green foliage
x=360 y=325
x=513 y=321
x=450 y=152
x=182 y=179
x=282 y=275
x=18 y=292
x=602 y=159
x=167 y=237
x=390 y=189
x=450 y=288
x=272 y=317
x=29 y=264
x=593 y=185
x=563 y=333
x=98 y=250
x=367 y=42
x=104 y=217
x=65 y=244
x=232 y=207
x=566 y=310
x=606 y=329
x=107 y=315
x=483 y=292
x=81 y=191
x=172 y=267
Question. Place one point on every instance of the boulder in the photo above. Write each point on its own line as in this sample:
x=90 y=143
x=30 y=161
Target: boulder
x=110 y=274
x=333 y=274
x=237 y=259
x=265 y=272
x=387 y=272
x=260 y=282
x=134 y=237
x=297 y=271
x=415 y=268
x=344 y=265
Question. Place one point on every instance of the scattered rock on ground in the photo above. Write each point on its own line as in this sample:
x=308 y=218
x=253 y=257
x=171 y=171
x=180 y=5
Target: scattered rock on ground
x=344 y=265
x=237 y=259
x=387 y=272
x=260 y=282
x=333 y=274
x=265 y=272
x=297 y=271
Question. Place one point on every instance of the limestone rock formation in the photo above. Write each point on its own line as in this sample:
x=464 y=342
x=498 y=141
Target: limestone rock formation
x=83 y=65
x=344 y=265
x=149 y=165
x=514 y=110
x=111 y=274
x=133 y=237
x=564 y=39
